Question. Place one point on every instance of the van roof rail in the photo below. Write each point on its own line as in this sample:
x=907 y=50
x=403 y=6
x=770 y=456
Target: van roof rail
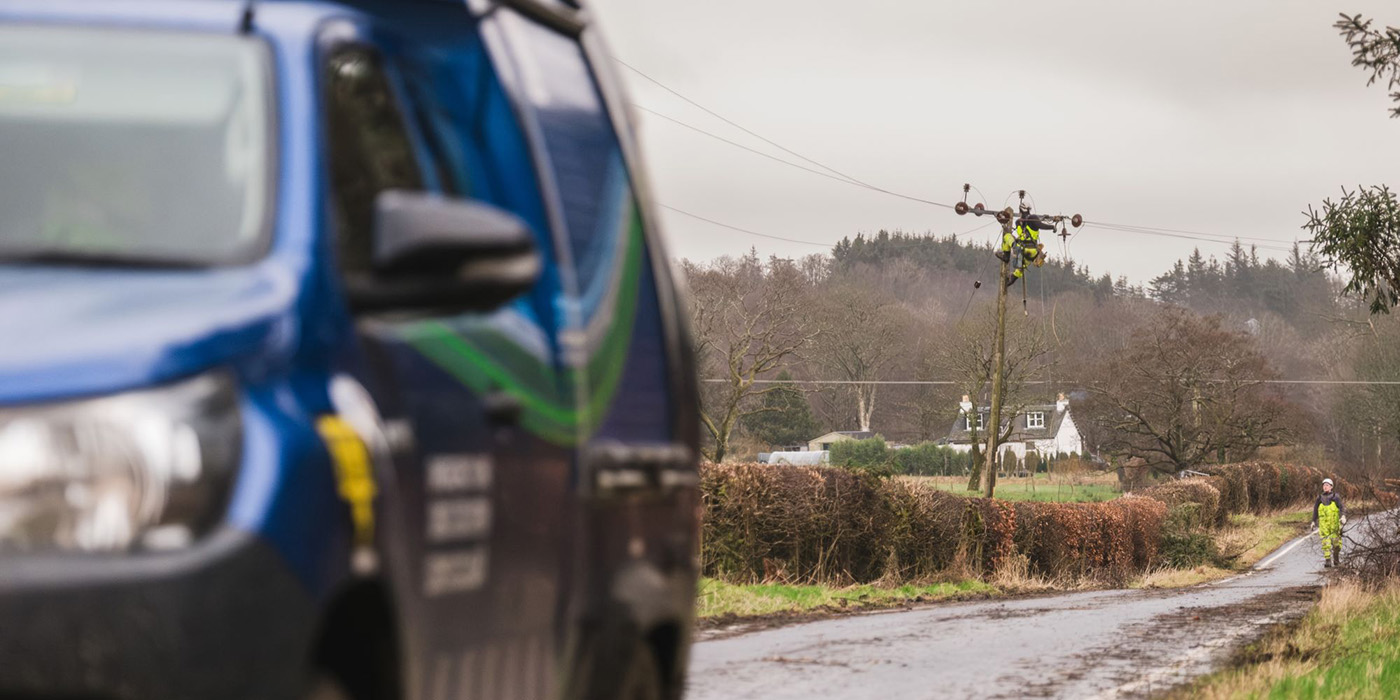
x=567 y=16
x=245 y=22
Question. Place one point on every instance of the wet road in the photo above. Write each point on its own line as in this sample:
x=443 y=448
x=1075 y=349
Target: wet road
x=1098 y=644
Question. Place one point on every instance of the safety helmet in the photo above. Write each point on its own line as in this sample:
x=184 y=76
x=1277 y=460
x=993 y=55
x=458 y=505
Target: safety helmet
x=1327 y=482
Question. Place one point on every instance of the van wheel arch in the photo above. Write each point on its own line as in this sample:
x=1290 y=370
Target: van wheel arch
x=357 y=644
x=666 y=645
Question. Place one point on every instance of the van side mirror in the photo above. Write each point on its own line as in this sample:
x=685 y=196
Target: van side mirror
x=438 y=253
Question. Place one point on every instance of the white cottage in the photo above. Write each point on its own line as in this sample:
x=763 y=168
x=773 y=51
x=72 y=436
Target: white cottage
x=1047 y=429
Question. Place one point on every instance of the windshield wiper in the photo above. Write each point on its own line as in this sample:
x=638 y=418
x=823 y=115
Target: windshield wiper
x=74 y=258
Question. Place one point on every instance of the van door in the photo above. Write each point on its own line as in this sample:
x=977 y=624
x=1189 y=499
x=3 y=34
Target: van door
x=638 y=425
x=479 y=406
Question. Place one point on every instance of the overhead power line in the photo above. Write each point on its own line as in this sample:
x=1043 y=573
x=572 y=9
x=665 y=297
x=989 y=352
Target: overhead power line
x=1163 y=234
x=736 y=144
x=1189 y=233
x=834 y=174
x=842 y=178
x=731 y=122
x=750 y=232
x=1122 y=228
x=744 y=230
x=1274 y=244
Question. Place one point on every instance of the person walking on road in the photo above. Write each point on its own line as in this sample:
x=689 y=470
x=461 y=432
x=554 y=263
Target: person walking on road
x=1329 y=515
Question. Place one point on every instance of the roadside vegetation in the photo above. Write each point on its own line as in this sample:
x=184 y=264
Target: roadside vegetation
x=833 y=527
x=717 y=599
x=1348 y=646
x=1053 y=488
x=1234 y=548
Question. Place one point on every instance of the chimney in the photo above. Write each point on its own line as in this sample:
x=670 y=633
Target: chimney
x=966 y=404
x=1061 y=404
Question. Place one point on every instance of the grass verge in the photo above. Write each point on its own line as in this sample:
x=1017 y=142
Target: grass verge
x=1241 y=544
x=717 y=599
x=1037 y=488
x=1348 y=646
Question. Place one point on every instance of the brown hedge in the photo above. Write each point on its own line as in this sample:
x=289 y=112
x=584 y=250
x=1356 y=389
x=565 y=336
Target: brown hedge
x=1261 y=487
x=816 y=524
x=1199 y=498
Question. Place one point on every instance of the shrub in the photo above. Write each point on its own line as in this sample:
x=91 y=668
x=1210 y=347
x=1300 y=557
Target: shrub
x=1184 y=543
x=1010 y=463
x=929 y=459
x=1133 y=475
x=791 y=523
x=1258 y=487
x=1105 y=541
x=1198 y=492
x=924 y=529
x=871 y=455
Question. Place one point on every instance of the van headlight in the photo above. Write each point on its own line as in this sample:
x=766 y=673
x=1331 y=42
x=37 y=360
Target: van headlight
x=142 y=470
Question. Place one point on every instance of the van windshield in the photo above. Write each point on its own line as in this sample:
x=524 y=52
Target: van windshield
x=137 y=147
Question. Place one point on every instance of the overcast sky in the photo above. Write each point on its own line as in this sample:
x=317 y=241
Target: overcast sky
x=1220 y=117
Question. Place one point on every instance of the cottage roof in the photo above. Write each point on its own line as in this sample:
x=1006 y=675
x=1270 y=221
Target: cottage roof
x=853 y=434
x=1020 y=432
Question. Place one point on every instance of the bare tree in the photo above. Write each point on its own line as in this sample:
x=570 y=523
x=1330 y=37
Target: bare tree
x=864 y=334
x=966 y=358
x=815 y=268
x=1368 y=415
x=931 y=408
x=749 y=319
x=1184 y=391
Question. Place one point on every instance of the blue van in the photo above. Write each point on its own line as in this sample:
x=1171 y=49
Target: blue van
x=339 y=358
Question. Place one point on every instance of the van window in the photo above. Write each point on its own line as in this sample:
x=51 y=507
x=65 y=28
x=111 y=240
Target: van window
x=123 y=145
x=369 y=147
x=471 y=135
x=593 y=184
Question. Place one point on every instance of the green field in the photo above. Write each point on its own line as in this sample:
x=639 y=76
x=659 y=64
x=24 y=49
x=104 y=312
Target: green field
x=715 y=598
x=1040 y=488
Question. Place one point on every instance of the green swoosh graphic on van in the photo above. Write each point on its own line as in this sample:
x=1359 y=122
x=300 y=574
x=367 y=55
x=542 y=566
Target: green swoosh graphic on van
x=483 y=359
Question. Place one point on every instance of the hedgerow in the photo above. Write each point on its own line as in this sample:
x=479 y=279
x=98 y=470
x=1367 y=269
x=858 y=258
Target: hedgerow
x=1260 y=487
x=827 y=525
x=831 y=525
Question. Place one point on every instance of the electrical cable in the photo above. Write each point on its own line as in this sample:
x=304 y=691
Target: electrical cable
x=731 y=122
x=740 y=229
x=755 y=151
x=1164 y=234
x=843 y=178
x=1192 y=233
x=1122 y=228
x=1272 y=244
x=744 y=230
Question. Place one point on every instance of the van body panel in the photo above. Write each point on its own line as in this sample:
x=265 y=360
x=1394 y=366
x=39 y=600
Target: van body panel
x=511 y=572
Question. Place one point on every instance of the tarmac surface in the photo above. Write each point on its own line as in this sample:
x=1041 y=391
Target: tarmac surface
x=1095 y=644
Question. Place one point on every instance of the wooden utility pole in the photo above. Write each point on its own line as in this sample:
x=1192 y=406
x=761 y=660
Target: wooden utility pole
x=991 y=462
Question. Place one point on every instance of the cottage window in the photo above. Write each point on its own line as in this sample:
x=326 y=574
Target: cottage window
x=981 y=422
x=1035 y=420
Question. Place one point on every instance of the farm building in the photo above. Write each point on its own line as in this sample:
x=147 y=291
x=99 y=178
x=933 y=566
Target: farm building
x=820 y=444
